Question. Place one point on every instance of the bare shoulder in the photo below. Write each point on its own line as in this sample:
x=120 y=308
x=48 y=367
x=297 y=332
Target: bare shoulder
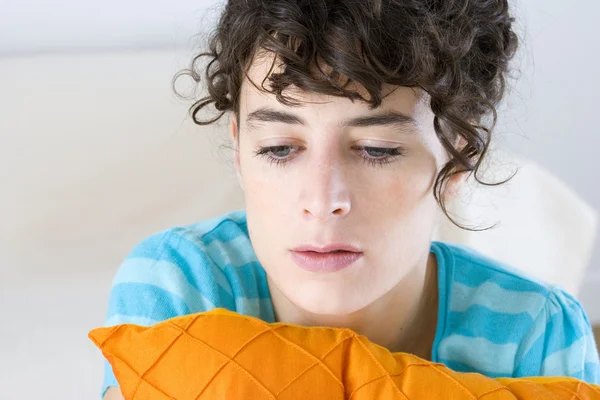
x=113 y=393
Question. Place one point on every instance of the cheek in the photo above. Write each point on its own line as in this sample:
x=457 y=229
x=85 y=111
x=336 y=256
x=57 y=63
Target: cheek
x=409 y=188
x=264 y=187
x=406 y=214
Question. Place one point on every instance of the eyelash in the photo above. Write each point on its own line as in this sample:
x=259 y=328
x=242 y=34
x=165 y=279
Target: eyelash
x=390 y=154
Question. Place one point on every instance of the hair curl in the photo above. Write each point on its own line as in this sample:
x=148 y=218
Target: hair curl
x=457 y=51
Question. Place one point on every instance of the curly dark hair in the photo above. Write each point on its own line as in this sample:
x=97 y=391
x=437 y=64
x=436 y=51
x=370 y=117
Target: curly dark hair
x=457 y=51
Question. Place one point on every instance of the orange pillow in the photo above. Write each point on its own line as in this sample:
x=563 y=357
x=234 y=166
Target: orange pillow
x=221 y=354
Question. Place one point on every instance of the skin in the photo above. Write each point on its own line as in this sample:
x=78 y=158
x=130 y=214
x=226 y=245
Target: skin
x=323 y=184
x=319 y=182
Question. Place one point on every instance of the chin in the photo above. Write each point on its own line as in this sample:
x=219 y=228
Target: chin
x=323 y=300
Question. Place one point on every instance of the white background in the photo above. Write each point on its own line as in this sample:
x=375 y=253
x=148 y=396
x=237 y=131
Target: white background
x=550 y=115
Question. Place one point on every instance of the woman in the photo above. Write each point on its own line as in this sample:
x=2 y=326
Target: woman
x=352 y=124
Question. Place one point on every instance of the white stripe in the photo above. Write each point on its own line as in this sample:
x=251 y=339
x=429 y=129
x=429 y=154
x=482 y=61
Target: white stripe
x=164 y=275
x=219 y=276
x=591 y=347
x=236 y=252
x=252 y=307
x=479 y=353
x=496 y=298
x=569 y=360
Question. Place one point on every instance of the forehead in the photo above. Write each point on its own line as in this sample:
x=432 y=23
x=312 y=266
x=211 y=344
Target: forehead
x=410 y=101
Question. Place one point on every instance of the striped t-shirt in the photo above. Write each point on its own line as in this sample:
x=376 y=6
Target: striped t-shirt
x=492 y=319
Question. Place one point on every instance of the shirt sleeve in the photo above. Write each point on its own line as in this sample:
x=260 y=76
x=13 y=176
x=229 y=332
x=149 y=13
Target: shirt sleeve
x=560 y=342
x=163 y=277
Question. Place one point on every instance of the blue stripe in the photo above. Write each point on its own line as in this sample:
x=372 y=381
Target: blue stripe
x=474 y=275
x=205 y=227
x=199 y=270
x=166 y=276
x=141 y=300
x=460 y=367
x=151 y=246
x=227 y=230
x=109 y=378
x=528 y=358
x=249 y=281
x=445 y=273
x=202 y=271
x=561 y=332
x=498 y=328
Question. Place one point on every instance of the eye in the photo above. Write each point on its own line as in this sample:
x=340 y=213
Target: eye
x=379 y=155
x=277 y=154
x=376 y=152
x=280 y=151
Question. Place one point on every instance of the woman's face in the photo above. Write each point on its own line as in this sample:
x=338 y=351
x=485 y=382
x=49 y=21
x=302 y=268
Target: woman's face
x=333 y=174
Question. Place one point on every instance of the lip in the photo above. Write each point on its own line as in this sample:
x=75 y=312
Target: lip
x=324 y=259
x=328 y=248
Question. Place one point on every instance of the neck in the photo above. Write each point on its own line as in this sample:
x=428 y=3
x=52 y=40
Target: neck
x=402 y=320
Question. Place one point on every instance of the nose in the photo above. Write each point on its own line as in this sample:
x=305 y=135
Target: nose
x=325 y=192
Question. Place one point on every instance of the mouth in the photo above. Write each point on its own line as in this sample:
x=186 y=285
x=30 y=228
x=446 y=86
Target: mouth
x=325 y=259
x=330 y=248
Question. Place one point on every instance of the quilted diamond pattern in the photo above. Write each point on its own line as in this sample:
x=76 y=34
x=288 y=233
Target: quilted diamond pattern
x=224 y=355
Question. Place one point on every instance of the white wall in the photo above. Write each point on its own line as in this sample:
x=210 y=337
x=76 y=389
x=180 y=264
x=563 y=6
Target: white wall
x=29 y=26
x=551 y=115
x=95 y=155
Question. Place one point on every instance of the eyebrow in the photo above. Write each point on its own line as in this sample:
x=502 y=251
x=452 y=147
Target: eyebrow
x=387 y=118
